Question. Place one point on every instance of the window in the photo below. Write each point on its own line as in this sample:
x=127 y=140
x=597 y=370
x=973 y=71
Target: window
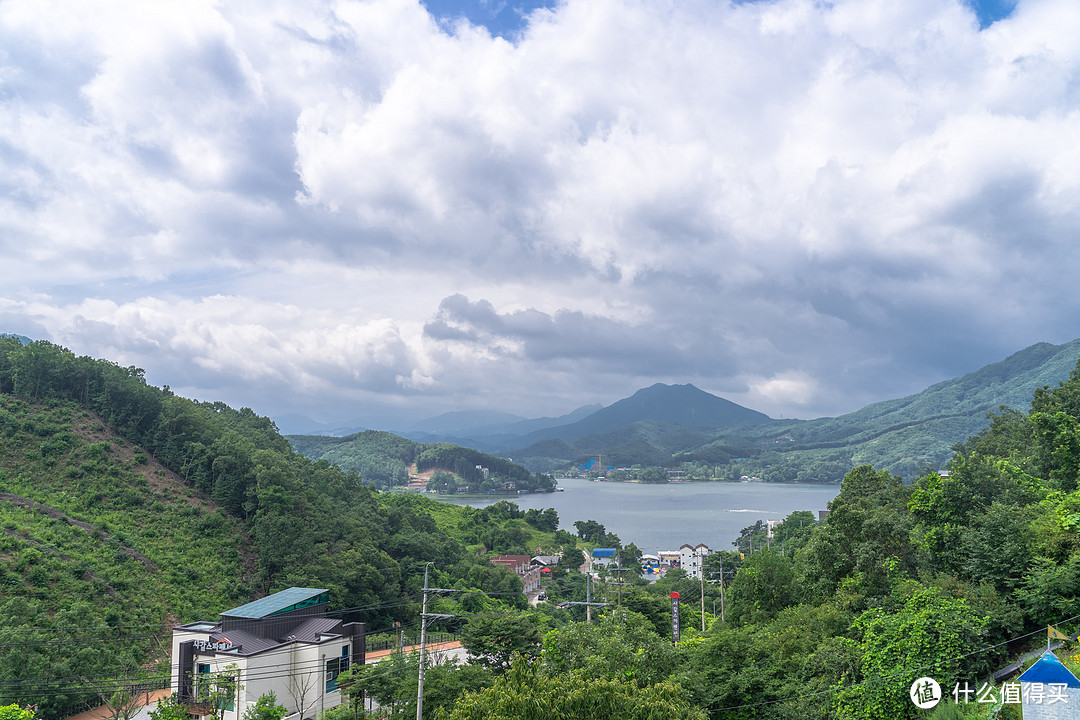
x=218 y=689
x=202 y=679
x=333 y=669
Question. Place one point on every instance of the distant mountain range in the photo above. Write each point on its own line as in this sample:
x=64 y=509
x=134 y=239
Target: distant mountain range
x=671 y=425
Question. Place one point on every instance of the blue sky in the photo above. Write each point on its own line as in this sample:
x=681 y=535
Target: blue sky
x=377 y=210
x=507 y=18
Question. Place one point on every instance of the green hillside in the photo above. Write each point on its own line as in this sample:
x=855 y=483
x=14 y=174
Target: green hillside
x=124 y=509
x=913 y=433
x=95 y=534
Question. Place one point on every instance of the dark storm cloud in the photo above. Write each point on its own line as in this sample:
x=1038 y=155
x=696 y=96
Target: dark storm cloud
x=654 y=348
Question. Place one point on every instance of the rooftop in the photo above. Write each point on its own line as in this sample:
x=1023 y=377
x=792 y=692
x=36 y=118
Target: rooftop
x=280 y=602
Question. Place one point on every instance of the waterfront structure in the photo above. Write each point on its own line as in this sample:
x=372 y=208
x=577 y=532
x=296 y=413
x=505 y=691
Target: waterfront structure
x=668 y=558
x=283 y=643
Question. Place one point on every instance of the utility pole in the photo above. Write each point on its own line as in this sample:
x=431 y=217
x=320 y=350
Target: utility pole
x=425 y=617
x=588 y=600
x=701 y=569
x=423 y=642
x=722 y=618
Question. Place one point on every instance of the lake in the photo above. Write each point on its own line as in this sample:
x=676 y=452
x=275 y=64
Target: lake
x=663 y=517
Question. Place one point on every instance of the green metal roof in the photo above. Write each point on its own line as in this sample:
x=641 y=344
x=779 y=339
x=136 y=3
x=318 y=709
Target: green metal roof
x=280 y=602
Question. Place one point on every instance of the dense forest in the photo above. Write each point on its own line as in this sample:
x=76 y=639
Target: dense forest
x=125 y=509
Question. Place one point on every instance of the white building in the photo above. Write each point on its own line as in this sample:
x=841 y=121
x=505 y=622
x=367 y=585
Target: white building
x=691 y=557
x=283 y=642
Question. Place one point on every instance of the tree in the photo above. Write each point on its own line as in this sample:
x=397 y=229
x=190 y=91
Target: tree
x=525 y=692
x=590 y=531
x=266 y=708
x=124 y=700
x=930 y=630
x=218 y=691
x=764 y=586
x=653 y=475
x=543 y=520
x=629 y=557
x=14 y=712
x=493 y=641
x=392 y=684
x=169 y=709
x=621 y=644
x=303 y=687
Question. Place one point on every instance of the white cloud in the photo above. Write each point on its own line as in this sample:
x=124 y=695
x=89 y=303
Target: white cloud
x=787 y=199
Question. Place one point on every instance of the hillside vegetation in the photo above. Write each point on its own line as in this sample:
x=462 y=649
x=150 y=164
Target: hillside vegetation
x=125 y=509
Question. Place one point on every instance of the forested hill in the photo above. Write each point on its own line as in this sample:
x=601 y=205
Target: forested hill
x=383 y=459
x=912 y=433
x=125 y=509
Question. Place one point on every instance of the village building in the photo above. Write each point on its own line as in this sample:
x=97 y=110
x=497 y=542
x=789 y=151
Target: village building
x=668 y=558
x=523 y=566
x=691 y=558
x=601 y=558
x=283 y=643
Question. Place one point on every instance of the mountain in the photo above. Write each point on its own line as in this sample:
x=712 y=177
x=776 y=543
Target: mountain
x=905 y=436
x=488 y=431
x=683 y=405
x=463 y=422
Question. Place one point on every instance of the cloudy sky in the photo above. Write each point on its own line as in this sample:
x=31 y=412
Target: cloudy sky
x=379 y=209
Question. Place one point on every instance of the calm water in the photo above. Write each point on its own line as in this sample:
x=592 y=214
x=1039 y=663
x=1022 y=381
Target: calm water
x=663 y=517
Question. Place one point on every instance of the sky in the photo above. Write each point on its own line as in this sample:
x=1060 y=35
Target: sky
x=374 y=211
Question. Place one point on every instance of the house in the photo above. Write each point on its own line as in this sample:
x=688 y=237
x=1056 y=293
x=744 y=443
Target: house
x=691 y=558
x=542 y=561
x=601 y=558
x=283 y=643
x=523 y=566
